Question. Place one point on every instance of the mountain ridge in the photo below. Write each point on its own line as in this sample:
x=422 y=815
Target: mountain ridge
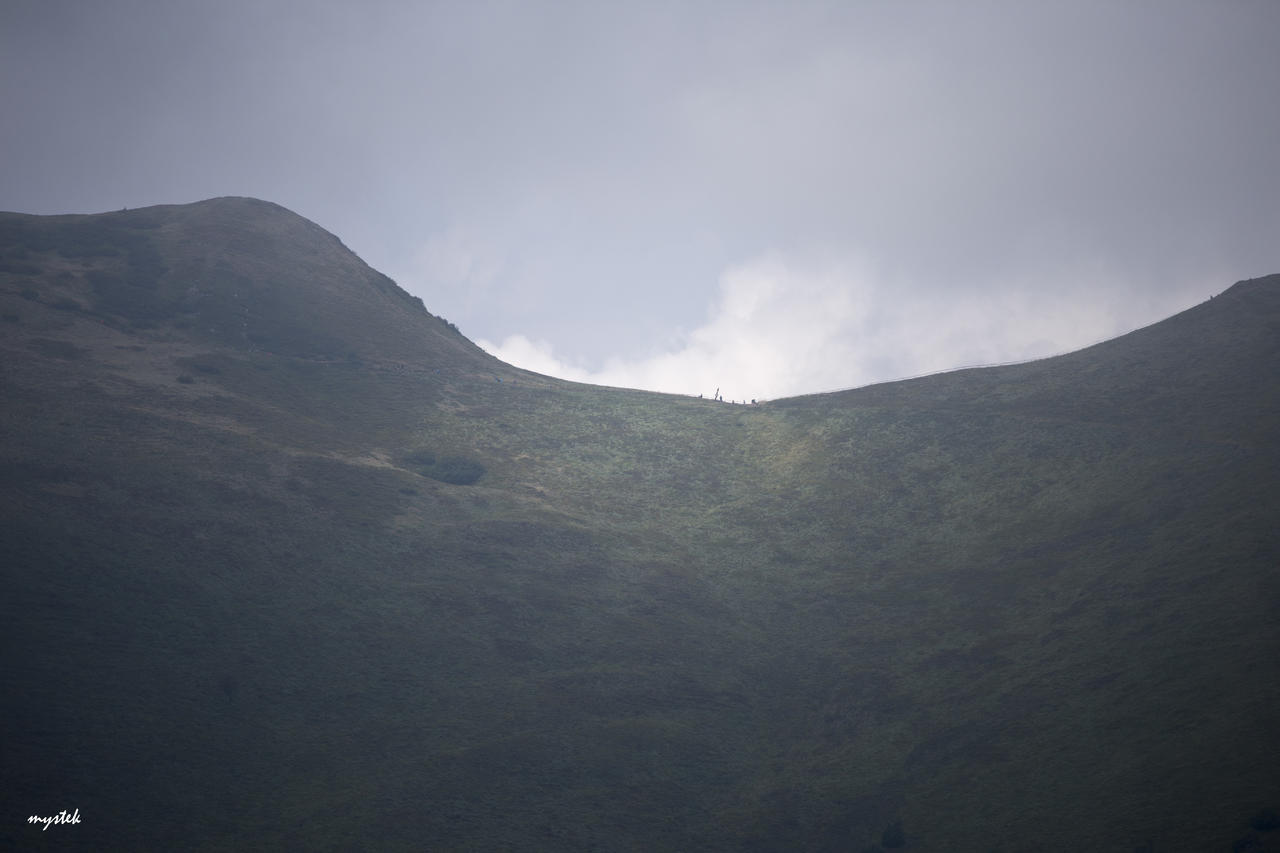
x=327 y=287
x=269 y=585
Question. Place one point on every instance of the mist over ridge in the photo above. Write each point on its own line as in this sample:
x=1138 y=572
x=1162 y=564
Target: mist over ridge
x=900 y=189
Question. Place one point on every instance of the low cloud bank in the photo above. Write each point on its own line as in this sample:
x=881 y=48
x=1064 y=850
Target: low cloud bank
x=779 y=328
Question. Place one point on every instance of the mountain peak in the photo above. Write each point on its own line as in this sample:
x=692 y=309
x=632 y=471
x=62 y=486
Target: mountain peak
x=232 y=271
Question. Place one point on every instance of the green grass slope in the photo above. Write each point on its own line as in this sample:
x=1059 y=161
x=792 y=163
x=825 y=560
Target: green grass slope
x=288 y=563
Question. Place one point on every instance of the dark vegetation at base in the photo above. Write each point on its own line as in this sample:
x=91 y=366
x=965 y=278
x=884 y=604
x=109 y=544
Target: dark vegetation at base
x=458 y=470
x=344 y=591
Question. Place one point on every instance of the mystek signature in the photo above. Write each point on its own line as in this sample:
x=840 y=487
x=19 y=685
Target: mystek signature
x=61 y=817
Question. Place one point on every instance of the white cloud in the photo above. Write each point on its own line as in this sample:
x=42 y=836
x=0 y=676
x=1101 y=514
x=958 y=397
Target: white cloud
x=780 y=327
x=536 y=356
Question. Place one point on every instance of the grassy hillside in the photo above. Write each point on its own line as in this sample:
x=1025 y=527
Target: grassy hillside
x=288 y=563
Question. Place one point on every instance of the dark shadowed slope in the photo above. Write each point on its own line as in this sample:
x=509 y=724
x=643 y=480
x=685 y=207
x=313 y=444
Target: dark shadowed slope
x=286 y=566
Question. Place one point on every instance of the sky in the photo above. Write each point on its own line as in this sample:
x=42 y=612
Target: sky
x=769 y=198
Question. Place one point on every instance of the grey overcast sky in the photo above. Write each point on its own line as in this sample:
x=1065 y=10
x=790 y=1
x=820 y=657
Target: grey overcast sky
x=771 y=198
